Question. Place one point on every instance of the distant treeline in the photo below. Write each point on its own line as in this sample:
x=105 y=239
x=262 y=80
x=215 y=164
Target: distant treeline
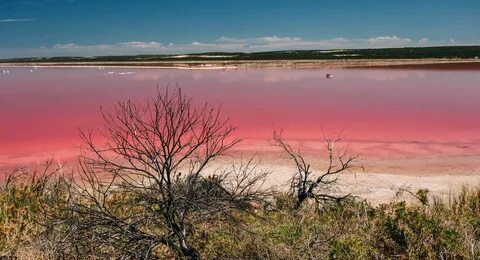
x=386 y=53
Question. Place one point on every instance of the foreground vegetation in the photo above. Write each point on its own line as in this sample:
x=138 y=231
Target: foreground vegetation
x=144 y=193
x=380 y=53
x=353 y=229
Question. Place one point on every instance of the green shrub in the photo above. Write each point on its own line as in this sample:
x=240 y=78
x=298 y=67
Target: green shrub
x=350 y=230
x=351 y=247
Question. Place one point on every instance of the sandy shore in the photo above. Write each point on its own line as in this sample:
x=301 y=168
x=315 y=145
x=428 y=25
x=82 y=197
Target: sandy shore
x=375 y=187
x=379 y=179
x=382 y=169
x=238 y=64
x=383 y=188
x=379 y=188
x=376 y=179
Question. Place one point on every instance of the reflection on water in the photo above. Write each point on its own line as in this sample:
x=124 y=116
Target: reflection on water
x=41 y=110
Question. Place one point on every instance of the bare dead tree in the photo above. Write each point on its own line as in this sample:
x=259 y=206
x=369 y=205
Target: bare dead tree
x=307 y=185
x=146 y=188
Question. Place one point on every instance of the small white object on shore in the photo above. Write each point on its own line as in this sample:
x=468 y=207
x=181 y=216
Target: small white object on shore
x=5 y=72
x=329 y=76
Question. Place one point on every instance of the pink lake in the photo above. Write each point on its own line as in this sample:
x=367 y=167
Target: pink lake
x=382 y=112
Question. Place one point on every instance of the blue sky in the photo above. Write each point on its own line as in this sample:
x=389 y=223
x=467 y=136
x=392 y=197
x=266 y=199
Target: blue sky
x=89 y=27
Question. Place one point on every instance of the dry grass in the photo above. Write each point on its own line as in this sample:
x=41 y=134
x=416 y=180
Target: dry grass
x=428 y=229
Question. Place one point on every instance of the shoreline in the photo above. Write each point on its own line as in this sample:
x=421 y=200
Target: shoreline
x=377 y=181
x=376 y=187
x=246 y=64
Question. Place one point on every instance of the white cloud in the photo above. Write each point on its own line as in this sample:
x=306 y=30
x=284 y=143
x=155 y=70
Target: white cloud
x=223 y=43
x=66 y=46
x=387 y=41
x=423 y=42
x=15 y=20
x=140 y=45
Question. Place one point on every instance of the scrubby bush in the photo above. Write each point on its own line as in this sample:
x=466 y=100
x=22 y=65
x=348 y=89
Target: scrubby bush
x=23 y=194
x=352 y=229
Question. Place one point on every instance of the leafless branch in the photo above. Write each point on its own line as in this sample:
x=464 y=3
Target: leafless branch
x=303 y=182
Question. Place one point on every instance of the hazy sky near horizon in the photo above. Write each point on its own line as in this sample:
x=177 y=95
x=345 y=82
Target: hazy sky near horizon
x=114 y=27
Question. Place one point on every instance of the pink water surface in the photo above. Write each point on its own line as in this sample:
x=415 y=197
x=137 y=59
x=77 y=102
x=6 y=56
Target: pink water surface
x=41 y=110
